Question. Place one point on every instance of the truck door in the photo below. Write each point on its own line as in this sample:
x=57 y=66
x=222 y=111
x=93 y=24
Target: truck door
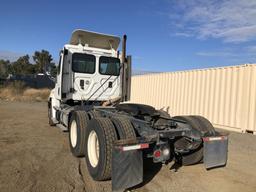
x=61 y=88
x=65 y=74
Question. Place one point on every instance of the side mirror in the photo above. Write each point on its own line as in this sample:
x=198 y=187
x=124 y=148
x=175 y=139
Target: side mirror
x=65 y=51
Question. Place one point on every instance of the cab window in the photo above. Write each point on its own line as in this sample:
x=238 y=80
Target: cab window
x=83 y=63
x=109 y=66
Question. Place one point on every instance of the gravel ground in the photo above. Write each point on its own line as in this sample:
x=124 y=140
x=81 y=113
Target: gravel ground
x=36 y=157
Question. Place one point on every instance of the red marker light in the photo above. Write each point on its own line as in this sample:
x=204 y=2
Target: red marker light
x=157 y=153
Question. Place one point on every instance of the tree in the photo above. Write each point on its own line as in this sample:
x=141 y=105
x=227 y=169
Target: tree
x=43 y=60
x=31 y=69
x=22 y=66
x=4 y=66
x=53 y=70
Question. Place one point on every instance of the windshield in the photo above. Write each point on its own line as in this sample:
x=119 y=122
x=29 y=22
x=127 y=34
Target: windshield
x=109 y=66
x=83 y=63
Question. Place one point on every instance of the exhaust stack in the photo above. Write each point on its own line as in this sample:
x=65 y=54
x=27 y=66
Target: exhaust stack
x=123 y=71
x=124 y=49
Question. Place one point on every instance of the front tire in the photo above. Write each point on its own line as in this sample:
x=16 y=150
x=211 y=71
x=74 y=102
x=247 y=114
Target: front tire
x=100 y=136
x=50 y=121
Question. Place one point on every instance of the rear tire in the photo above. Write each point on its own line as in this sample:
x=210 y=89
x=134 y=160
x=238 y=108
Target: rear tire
x=205 y=128
x=124 y=128
x=100 y=136
x=77 y=128
x=205 y=125
x=95 y=114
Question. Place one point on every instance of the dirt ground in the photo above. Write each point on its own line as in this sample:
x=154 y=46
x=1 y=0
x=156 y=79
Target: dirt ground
x=36 y=157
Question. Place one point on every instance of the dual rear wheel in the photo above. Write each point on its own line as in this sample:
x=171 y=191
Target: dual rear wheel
x=93 y=136
x=94 y=139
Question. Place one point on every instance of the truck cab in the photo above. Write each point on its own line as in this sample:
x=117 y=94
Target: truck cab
x=91 y=70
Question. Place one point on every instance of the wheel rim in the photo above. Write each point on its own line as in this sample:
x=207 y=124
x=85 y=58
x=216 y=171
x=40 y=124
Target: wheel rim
x=93 y=148
x=73 y=133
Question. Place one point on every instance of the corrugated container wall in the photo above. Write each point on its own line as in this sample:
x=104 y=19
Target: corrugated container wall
x=226 y=96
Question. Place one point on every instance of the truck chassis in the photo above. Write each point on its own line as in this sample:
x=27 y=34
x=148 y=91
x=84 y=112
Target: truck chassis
x=115 y=137
x=136 y=132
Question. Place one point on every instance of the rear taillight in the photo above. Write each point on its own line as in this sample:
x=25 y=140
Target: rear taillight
x=157 y=153
x=161 y=153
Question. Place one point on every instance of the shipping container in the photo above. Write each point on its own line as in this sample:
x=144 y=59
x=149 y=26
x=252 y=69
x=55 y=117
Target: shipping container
x=224 y=95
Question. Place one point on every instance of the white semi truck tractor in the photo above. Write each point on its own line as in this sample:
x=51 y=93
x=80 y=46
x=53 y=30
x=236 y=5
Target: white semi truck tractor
x=115 y=136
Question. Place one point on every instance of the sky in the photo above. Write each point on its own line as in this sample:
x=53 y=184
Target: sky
x=163 y=35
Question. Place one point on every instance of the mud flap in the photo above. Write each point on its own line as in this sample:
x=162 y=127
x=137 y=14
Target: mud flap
x=127 y=168
x=215 y=151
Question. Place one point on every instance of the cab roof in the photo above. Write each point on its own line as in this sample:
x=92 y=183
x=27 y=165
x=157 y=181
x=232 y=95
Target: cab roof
x=93 y=39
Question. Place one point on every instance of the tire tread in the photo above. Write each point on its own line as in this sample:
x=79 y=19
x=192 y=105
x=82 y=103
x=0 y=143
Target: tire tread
x=124 y=128
x=82 y=122
x=110 y=136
